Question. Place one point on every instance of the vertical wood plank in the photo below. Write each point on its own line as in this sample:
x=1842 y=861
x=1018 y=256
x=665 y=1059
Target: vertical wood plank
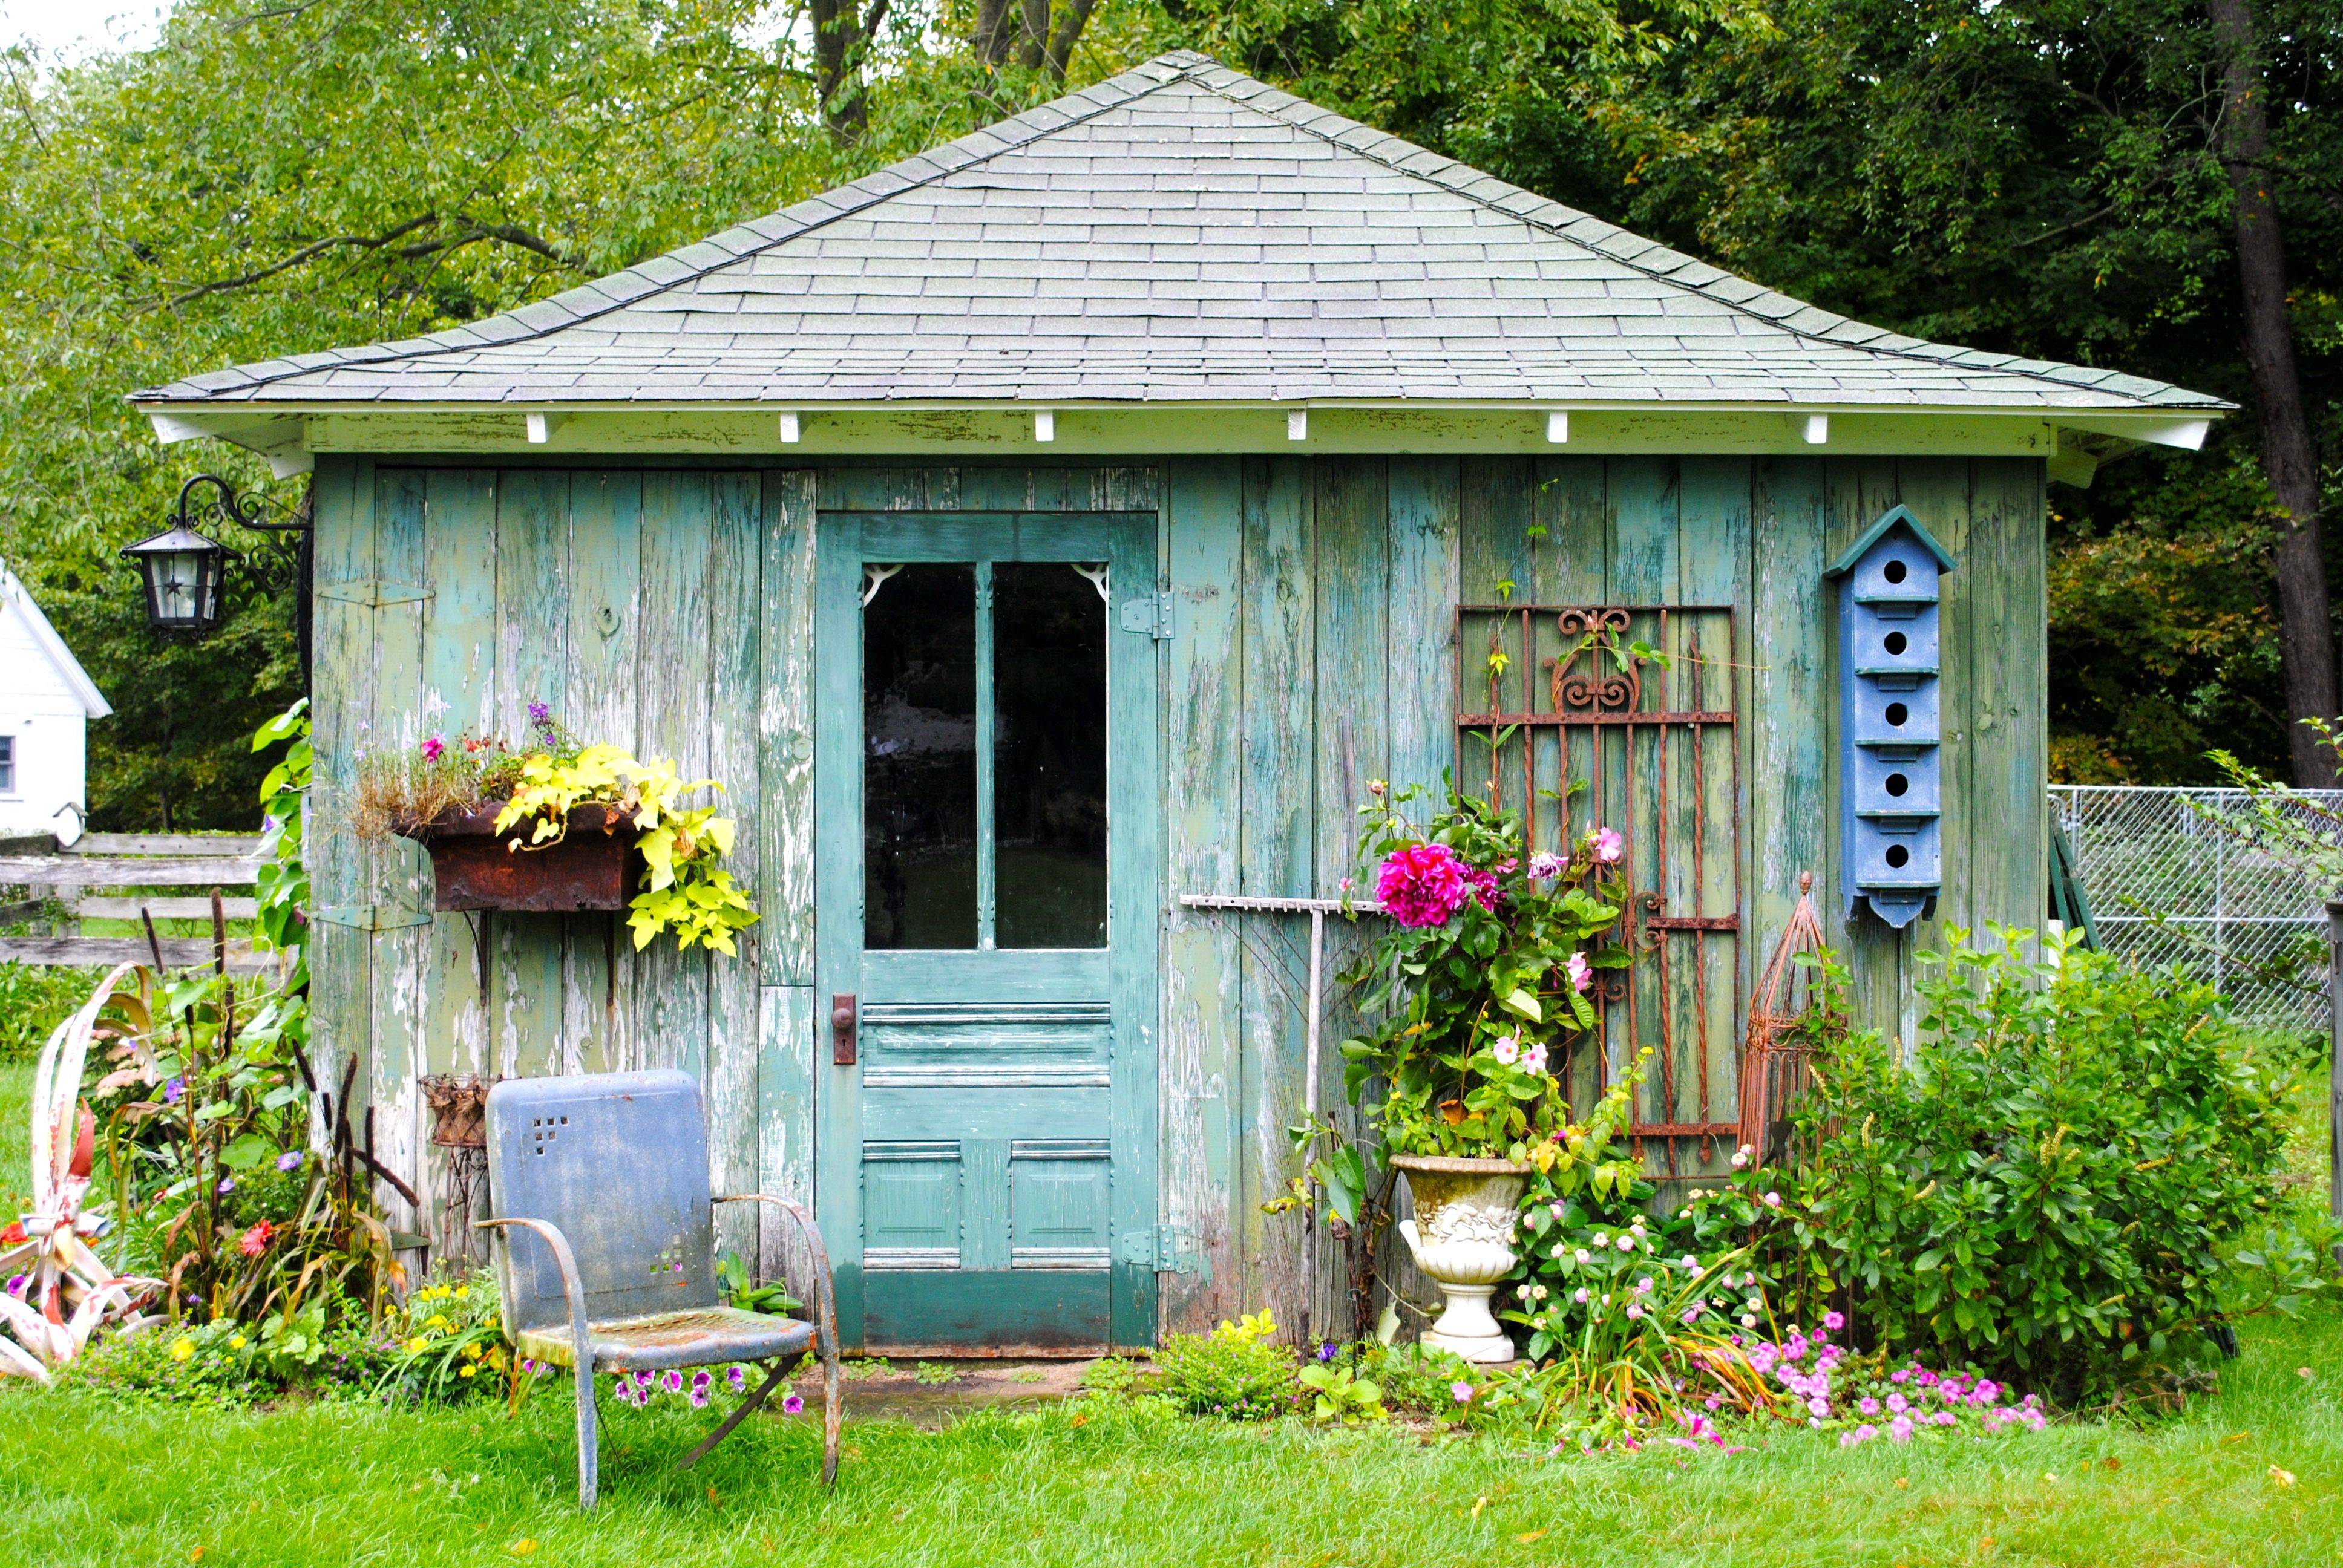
x=1352 y=592
x=1712 y=569
x=2007 y=671
x=401 y=872
x=734 y=631
x=785 y=852
x=1424 y=574
x=340 y=995
x=671 y=648
x=606 y=516
x=1276 y=846
x=1789 y=718
x=533 y=657
x=1203 y=1076
x=1494 y=564
x=460 y=667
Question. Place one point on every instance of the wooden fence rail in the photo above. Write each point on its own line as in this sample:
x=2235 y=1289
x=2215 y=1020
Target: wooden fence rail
x=53 y=877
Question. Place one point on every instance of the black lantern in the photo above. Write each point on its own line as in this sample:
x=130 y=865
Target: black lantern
x=182 y=569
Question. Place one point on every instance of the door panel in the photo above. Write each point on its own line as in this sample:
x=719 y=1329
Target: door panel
x=988 y=894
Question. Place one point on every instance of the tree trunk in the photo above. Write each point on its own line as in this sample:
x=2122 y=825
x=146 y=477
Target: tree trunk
x=1033 y=33
x=2289 y=454
x=838 y=67
x=992 y=38
x=1071 y=22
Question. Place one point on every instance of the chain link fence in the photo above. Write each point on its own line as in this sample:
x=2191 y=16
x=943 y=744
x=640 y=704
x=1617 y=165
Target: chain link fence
x=2178 y=876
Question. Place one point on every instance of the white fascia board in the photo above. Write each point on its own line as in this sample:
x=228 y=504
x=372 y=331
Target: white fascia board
x=2187 y=432
x=16 y=599
x=1137 y=429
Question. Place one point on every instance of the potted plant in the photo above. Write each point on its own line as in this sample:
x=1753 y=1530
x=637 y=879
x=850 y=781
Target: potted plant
x=1480 y=987
x=559 y=826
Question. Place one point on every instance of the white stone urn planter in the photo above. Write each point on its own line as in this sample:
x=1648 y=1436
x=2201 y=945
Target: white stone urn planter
x=1463 y=1237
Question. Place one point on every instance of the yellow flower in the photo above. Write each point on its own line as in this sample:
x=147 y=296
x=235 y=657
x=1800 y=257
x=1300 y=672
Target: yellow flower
x=415 y=1346
x=473 y=1351
x=466 y=1371
x=182 y=1348
x=463 y=1291
x=237 y=1343
x=436 y=1321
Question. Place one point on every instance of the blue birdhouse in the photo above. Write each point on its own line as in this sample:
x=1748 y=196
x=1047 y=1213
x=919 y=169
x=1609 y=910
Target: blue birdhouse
x=1891 y=789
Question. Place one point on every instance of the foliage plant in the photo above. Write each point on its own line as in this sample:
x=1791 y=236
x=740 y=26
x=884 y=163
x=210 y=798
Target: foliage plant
x=281 y=885
x=204 y=1117
x=1338 y=1393
x=2056 y=1184
x=1478 y=983
x=736 y=1284
x=445 y=1344
x=686 y=891
x=33 y=997
x=1236 y=1372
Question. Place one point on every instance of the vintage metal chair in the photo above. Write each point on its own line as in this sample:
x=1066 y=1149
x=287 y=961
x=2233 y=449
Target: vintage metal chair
x=600 y=1192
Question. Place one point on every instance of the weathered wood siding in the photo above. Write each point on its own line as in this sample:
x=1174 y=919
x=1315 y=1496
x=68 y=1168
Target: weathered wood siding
x=1315 y=651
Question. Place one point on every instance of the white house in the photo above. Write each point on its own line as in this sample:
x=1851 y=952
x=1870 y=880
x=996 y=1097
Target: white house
x=46 y=701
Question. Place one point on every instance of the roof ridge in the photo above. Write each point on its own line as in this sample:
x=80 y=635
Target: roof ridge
x=1179 y=65
x=1912 y=348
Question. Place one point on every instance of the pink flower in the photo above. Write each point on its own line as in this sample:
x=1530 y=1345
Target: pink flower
x=433 y=748
x=1420 y=885
x=1581 y=973
x=254 y=1241
x=1833 y=1321
x=1867 y=1405
x=1460 y=1391
x=1533 y=1061
x=1546 y=865
x=1773 y=1200
x=1508 y=1051
x=1482 y=886
x=1900 y=1429
x=1607 y=845
x=791 y=1404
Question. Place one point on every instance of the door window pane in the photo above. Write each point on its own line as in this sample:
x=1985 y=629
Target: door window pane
x=919 y=731
x=1049 y=639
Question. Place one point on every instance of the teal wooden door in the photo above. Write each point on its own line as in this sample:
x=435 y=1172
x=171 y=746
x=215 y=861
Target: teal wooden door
x=988 y=891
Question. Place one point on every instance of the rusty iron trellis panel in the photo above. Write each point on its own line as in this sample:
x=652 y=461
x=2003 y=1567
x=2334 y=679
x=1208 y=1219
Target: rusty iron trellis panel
x=1560 y=696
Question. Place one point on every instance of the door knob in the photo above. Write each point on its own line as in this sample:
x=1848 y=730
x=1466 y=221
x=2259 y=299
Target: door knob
x=842 y=1030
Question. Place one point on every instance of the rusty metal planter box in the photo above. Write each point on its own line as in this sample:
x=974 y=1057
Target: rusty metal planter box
x=593 y=867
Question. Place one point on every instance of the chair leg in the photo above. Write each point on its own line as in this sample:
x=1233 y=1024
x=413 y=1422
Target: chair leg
x=589 y=1465
x=831 y=1412
x=776 y=1371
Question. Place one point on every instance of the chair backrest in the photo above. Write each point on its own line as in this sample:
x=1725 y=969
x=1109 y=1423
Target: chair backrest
x=618 y=1162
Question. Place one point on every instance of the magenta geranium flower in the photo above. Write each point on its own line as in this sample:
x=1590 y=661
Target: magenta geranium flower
x=433 y=748
x=1608 y=845
x=1421 y=885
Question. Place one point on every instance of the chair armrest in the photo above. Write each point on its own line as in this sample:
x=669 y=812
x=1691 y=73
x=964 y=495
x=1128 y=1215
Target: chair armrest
x=825 y=1322
x=826 y=1296
x=572 y=1286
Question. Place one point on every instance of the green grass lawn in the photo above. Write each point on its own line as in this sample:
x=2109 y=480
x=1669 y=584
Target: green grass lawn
x=87 y=1479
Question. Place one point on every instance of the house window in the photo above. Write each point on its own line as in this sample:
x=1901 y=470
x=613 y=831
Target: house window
x=8 y=765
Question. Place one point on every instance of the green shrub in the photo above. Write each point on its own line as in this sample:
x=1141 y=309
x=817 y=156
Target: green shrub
x=33 y=998
x=2053 y=1187
x=1233 y=1372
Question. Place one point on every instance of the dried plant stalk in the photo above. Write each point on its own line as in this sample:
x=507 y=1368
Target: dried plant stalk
x=1777 y=1059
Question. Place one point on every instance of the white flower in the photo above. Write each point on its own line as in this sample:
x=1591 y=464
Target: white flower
x=1583 y=1256
x=1626 y=1243
x=1508 y=1051
x=1602 y=1241
x=1522 y=1292
x=1540 y=1293
x=1692 y=1262
x=1557 y=1250
x=1749 y=1319
x=1579 y=1295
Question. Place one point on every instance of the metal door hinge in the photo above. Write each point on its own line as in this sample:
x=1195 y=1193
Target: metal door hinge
x=372 y=917
x=1148 y=613
x=1162 y=1247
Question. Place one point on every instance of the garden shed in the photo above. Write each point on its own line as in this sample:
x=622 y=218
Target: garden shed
x=1087 y=514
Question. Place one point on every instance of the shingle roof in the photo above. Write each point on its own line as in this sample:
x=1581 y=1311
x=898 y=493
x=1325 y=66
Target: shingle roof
x=1181 y=233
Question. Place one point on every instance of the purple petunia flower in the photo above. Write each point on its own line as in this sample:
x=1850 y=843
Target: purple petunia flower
x=700 y=1383
x=791 y=1404
x=738 y=1377
x=173 y=1090
x=227 y=1184
x=291 y=1160
x=672 y=1382
x=16 y=1284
